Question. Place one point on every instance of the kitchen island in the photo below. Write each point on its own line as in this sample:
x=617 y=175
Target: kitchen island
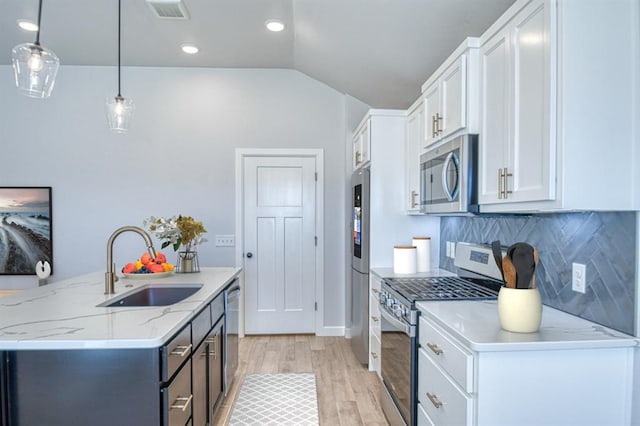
x=571 y=372
x=67 y=360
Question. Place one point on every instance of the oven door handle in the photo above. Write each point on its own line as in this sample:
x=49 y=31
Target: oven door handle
x=409 y=330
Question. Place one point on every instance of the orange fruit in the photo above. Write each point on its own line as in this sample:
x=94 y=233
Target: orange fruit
x=129 y=268
x=154 y=267
x=146 y=258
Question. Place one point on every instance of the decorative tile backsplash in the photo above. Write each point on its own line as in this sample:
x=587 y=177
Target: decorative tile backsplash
x=604 y=242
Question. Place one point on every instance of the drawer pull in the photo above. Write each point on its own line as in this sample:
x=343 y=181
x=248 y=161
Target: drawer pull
x=182 y=350
x=375 y=290
x=185 y=403
x=376 y=319
x=435 y=348
x=210 y=340
x=434 y=400
x=374 y=355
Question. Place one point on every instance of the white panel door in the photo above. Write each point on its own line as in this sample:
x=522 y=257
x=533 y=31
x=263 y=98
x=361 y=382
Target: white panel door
x=279 y=246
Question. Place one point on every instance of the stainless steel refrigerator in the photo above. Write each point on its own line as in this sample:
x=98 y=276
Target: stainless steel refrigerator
x=360 y=209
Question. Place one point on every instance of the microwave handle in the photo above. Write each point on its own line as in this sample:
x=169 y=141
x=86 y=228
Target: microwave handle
x=445 y=181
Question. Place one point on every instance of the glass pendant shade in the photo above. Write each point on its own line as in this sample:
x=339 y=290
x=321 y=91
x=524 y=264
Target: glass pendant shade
x=119 y=113
x=35 y=69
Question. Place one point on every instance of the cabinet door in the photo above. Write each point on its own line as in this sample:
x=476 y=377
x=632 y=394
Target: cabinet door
x=531 y=152
x=431 y=113
x=361 y=145
x=200 y=383
x=495 y=106
x=454 y=97
x=415 y=130
x=216 y=364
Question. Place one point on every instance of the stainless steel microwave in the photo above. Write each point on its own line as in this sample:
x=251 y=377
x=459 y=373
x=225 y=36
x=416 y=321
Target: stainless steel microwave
x=448 y=177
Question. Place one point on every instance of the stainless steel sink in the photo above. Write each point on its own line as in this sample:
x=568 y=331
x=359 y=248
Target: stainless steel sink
x=154 y=295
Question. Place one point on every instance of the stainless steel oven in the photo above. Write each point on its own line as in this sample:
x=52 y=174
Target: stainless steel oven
x=448 y=177
x=399 y=354
x=479 y=279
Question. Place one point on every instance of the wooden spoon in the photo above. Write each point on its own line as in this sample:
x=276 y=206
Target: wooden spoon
x=536 y=258
x=509 y=272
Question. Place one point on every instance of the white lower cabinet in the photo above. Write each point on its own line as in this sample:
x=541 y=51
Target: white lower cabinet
x=571 y=383
x=374 y=326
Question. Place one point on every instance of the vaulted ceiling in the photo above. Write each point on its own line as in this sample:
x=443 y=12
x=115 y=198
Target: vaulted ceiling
x=379 y=51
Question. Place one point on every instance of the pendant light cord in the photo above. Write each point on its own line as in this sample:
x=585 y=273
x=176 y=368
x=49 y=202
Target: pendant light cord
x=119 y=19
x=37 y=43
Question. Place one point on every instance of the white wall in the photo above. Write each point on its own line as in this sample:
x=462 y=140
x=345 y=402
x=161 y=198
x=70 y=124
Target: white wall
x=177 y=158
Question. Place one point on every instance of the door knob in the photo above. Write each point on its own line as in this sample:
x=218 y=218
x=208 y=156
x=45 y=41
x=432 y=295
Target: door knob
x=249 y=255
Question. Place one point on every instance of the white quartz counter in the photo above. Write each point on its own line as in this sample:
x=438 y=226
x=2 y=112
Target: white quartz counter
x=476 y=325
x=65 y=315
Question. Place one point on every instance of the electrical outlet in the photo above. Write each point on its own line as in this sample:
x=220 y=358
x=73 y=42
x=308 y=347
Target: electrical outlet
x=448 y=248
x=579 y=277
x=225 y=240
x=453 y=250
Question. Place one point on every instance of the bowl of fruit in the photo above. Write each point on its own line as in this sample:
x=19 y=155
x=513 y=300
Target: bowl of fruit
x=147 y=265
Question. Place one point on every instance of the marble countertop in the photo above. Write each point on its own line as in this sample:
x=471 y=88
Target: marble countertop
x=65 y=315
x=477 y=326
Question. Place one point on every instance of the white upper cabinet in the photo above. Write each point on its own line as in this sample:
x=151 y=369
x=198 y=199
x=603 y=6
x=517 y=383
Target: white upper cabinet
x=517 y=145
x=450 y=95
x=413 y=149
x=362 y=144
x=559 y=126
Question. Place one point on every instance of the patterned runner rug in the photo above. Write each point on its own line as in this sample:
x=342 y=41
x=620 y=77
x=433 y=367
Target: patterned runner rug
x=277 y=399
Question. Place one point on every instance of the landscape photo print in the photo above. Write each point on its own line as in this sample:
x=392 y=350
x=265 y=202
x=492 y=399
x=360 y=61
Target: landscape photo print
x=25 y=229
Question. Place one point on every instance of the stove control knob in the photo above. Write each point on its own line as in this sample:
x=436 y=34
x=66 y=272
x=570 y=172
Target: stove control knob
x=390 y=303
x=397 y=310
x=382 y=298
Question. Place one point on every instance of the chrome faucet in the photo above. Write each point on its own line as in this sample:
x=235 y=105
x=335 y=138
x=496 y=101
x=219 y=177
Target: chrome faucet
x=110 y=276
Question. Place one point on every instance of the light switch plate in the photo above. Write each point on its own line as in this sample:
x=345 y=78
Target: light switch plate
x=225 y=240
x=579 y=277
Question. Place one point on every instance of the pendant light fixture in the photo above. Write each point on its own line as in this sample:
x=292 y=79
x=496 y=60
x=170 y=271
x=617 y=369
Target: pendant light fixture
x=119 y=109
x=34 y=66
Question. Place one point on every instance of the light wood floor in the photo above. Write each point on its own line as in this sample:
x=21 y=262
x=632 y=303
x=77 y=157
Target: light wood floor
x=348 y=394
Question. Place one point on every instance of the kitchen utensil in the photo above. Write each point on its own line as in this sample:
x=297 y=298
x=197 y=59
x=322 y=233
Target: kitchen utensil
x=521 y=255
x=536 y=259
x=509 y=272
x=497 y=255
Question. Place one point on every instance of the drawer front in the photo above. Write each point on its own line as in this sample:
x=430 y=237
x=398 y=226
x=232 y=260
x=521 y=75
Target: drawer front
x=374 y=354
x=178 y=398
x=217 y=308
x=455 y=360
x=176 y=352
x=200 y=326
x=443 y=402
x=423 y=418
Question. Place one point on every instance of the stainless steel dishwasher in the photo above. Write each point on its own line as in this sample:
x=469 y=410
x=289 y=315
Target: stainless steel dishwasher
x=232 y=312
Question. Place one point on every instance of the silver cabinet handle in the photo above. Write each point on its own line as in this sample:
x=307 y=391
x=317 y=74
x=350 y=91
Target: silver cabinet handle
x=375 y=290
x=438 y=121
x=182 y=350
x=358 y=161
x=414 y=194
x=374 y=355
x=376 y=319
x=435 y=348
x=503 y=192
x=434 y=400
x=434 y=126
x=185 y=403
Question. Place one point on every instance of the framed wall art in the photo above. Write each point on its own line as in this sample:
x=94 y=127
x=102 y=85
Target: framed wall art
x=25 y=229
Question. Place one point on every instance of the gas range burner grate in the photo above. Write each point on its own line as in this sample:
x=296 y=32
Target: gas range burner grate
x=440 y=288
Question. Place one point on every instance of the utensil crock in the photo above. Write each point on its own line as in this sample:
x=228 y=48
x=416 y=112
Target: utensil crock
x=520 y=309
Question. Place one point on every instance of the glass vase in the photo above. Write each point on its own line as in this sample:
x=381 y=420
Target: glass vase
x=187 y=262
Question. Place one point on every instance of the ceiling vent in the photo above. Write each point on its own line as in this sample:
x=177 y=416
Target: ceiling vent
x=169 y=9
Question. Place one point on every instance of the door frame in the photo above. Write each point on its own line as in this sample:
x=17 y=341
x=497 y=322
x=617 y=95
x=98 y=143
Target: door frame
x=318 y=155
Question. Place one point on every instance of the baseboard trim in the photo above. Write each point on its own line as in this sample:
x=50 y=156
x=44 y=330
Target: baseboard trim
x=331 y=331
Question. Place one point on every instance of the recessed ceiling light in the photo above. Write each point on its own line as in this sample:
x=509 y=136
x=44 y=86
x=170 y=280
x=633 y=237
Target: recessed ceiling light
x=27 y=25
x=191 y=49
x=274 y=25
